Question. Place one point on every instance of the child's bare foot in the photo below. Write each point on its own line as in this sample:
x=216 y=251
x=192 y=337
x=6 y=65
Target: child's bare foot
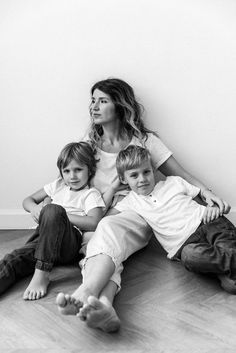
x=71 y=304
x=99 y=315
x=67 y=304
x=38 y=285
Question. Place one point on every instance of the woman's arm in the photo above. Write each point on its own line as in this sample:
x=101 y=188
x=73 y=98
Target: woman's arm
x=172 y=167
x=108 y=197
x=33 y=203
x=88 y=222
x=109 y=194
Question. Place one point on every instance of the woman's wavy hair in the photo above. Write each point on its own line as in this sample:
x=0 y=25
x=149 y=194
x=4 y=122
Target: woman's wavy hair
x=127 y=109
x=82 y=152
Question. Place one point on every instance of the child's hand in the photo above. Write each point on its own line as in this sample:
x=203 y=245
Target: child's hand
x=117 y=186
x=211 y=199
x=211 y=213
x=35 y=212
x=47 y=201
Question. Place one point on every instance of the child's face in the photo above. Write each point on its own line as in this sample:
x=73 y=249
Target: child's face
x=75 y=175
x=102 y=109
x=141 y=179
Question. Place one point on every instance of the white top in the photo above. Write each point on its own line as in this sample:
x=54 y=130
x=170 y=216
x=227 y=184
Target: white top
x=74 y=202
x=170 y=211
x=106 y=166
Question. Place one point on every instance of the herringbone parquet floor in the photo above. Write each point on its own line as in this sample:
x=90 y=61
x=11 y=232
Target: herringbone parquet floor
x=163 y=308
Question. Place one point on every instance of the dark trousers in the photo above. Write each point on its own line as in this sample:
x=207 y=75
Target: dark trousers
x=211 y=249
x=55 y=241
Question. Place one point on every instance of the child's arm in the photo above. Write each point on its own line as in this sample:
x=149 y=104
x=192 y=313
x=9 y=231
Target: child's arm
x=33 y=203
x=88 y=222
x=172 y=167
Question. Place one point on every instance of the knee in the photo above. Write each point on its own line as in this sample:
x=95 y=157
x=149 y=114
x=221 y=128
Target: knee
x=52 y=211
x=189 y=256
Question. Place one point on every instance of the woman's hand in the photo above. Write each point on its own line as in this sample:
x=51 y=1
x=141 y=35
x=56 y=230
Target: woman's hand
x=117 y=185
x=211 y=199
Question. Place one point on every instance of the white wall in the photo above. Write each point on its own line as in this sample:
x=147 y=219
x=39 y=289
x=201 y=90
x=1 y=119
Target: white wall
x=179 y=56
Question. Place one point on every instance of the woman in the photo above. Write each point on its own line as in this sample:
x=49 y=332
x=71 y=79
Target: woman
x=116 y=123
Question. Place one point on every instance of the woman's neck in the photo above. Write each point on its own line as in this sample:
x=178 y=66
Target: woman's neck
x=112 y=141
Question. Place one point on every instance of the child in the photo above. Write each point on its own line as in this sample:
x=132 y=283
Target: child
x=178 y=222
x=75 y=207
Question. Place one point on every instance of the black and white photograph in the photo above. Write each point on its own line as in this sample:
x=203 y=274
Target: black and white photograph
x=118 y=176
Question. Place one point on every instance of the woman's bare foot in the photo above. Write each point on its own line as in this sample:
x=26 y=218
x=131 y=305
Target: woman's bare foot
x=99 y=315
x=38 y=285
x=71 y=304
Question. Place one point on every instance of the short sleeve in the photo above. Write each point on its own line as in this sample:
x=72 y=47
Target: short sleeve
x=159 y=151
x=188 y=189
x=51 y=188
x=92 y=200
x=123 y=205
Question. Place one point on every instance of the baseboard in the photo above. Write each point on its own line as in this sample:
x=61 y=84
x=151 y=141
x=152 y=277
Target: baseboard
x=19 y=219
x=15 y=219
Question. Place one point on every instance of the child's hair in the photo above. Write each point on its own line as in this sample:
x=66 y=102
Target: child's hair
x=81 y=152
x=131 y=157
x=127 y=109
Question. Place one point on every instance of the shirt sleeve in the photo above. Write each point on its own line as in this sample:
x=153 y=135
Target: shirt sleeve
x=123 y=205
x=159 y=151
x=51 y=188
x=189 y=189
x=92 y=200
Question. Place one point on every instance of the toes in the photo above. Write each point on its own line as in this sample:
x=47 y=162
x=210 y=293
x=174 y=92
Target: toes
x=95 y=302
x=61 y=300
x=26 y=295
x=40 y=294
x=32 y=295
x=84 y=311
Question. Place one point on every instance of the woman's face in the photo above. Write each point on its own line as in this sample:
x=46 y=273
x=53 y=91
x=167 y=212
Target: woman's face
x=102 y=109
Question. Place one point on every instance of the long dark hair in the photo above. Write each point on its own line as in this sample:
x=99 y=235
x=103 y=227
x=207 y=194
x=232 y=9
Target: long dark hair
x=127 y=108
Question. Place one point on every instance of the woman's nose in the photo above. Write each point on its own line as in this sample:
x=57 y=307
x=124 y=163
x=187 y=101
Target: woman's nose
x=96 y=106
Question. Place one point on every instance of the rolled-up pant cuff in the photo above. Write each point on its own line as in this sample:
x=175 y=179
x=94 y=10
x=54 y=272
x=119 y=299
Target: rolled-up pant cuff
x=43 y=266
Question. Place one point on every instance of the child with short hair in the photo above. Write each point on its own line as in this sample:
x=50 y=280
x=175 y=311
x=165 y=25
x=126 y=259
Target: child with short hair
x=178 y=222
x=75 y=207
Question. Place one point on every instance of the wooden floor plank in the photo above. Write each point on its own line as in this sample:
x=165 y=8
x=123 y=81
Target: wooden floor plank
x=163 y=309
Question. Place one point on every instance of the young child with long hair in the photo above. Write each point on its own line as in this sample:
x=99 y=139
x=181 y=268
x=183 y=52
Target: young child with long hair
x=75 y=207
